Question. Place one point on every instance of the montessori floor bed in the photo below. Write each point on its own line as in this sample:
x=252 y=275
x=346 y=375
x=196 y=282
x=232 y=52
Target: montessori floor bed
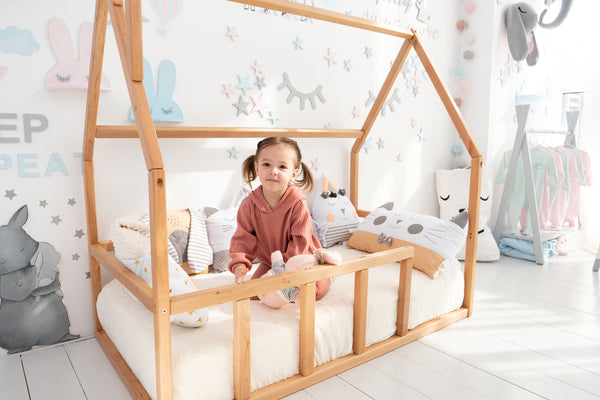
x=376 y=302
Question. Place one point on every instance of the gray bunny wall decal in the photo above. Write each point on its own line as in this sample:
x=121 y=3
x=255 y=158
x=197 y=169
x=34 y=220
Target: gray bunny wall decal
x=31 y=308
x=521 y=19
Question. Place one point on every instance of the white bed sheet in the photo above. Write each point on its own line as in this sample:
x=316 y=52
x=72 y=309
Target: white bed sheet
x=203 y=357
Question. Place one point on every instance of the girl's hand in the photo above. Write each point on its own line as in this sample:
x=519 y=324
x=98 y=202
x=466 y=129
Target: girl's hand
x=240 y=272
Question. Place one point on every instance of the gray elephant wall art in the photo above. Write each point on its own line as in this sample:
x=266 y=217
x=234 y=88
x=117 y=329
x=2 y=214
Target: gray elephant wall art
x=31 y=308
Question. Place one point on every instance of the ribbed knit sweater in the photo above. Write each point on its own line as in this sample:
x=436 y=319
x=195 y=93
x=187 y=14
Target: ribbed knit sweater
x=262 y=230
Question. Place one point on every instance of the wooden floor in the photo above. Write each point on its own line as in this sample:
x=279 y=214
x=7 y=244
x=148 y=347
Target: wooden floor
x=535 y=334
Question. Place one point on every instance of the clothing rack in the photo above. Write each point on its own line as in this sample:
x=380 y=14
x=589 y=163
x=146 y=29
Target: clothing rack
x=521 y=146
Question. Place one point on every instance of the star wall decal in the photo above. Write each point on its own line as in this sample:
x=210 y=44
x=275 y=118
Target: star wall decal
x=75 y=257
x=71 y=202
x=273 y=117
x=355 y=113
x=314 y=164
x=10 y=194
x=259 y=105
x=380 y=143
x=260 y=82
x=328 y=125
x=347 y=65
x=87 y=275
x=232 y=33
x=244 y=84
x=298 y=44
x=242 y=106
x=79 y=233
x=228 y=90
x=367 y=146
x=233 y=152
x=56 y=220
x=43 y=203
x=422 y=135
x=399 y=158
x=331 y=58
x=258 y=69
x=368 y=52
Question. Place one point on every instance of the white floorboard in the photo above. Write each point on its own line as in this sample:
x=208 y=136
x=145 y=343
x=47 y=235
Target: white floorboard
x=534 y=334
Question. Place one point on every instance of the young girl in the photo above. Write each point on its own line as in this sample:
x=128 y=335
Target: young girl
x=275 y=216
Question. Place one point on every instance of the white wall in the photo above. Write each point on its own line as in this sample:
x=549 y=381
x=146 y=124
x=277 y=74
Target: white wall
x=45 y=173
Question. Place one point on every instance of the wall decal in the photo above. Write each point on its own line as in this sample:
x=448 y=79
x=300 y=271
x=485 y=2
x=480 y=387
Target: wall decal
x=355 y=113
x=10 y=193
x=389 y=103
x=43 y=203
x=242 y=106
x=259 y=106
x=233 y=152
x=298 y=44
x=228 y=90
x=244 y=84
x=368 y=52
x=273 y=117
x=314 y=164
x=257 y=68
x=422 y=15
x=301 y=96
x=232 y=33
x=162 y=105
x=69 y=72
x=14 y=40
x=331 y=58
x=347 y=65
x=367 y=145
x=380 y=143
x=260 y=82
x=31 y=307
x=166 y=10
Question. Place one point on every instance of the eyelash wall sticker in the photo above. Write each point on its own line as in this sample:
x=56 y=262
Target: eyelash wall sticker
x=69 y=72
x=389 y=103
x=162 y=105
x=301 y=96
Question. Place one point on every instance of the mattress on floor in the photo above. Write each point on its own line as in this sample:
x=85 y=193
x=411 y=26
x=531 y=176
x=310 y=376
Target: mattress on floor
x=203 y=357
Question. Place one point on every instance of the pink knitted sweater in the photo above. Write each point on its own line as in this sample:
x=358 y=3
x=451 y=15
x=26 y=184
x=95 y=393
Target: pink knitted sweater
x=262 y=230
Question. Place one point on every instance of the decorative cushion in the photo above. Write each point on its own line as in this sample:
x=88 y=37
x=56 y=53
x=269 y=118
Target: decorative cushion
x=220 y=225
x=132 y=247
x=334 y=216
x=433 y=239
x=188 y=239
x=453 y=196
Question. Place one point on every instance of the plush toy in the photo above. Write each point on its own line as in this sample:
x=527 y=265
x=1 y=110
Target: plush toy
x=132 y=246
x=282 y=297
x=521 y=18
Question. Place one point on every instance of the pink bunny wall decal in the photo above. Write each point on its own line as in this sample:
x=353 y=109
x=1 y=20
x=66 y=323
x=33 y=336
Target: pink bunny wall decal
x=70 y=72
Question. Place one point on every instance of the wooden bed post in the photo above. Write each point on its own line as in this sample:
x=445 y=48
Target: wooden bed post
x=93 y=97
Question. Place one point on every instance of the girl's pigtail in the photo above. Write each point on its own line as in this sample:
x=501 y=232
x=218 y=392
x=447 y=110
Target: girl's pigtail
x=307 y=180
x=248 y=170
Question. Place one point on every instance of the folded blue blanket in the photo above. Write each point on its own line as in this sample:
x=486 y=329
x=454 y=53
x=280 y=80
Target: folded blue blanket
x=521 y=248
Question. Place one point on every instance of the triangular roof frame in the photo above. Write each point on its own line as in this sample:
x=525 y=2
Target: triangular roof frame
x=126 y=20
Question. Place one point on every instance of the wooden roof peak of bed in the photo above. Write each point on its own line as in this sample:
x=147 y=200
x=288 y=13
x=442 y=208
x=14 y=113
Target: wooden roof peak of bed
x=126 y=20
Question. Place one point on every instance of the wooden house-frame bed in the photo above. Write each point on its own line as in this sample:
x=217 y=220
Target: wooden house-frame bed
x=126 y=18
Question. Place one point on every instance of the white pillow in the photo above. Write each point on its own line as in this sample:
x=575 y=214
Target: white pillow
x=220 y=225
x=453 y=196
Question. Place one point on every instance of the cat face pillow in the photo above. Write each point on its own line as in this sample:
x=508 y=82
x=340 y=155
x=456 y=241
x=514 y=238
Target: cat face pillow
x=433 y=239
x=334 y=216
x=453 y=196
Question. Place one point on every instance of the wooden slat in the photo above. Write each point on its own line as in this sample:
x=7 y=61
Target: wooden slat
x=95 y=77
x=134 y=284
x=92 y=235
x=131 y=382
x=160 y=283
x=472 y=234
x=135 y=56
x=307 y=328
x=326 y=15
x=359 y=333
x=283 y=388
x=447 y=99
x=404 y=288
x=137 y=95
x=129 y=131
x=241 y=349
x=228 y=293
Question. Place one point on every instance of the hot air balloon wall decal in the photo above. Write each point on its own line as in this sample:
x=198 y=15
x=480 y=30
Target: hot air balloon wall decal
x=166 y=10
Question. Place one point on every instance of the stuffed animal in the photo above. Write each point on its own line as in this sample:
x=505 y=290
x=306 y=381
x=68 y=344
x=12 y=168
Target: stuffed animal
x=31 y=308
x=521 y=19
x=282 y=297
x=132 y=247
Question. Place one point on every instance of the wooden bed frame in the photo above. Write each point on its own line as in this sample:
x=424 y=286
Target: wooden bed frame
x=126 y=17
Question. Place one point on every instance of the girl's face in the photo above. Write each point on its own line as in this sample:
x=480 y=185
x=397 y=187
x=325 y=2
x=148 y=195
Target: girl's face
x=276 y=167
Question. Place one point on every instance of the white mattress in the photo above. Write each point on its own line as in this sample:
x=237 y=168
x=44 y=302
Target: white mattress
x=203 y=357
